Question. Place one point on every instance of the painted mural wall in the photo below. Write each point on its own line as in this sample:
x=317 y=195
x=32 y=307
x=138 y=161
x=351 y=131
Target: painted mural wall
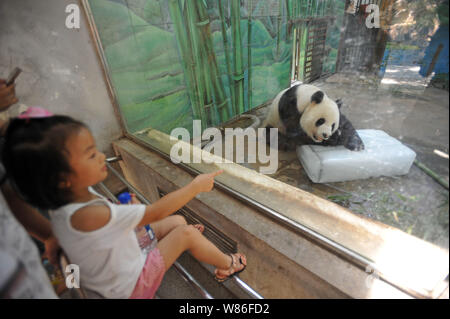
x=174 y=61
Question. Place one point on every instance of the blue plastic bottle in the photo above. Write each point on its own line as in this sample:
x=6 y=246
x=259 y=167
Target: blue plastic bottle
x=145 y=235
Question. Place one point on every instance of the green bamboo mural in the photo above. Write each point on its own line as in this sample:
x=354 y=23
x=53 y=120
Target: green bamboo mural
x=211 y=64
x=178 y=60
x=238 y=75
x=197 y=62
x=226 y=52
x=280 y=12
x=288 y=16
x=187 y=58
x=249 y=57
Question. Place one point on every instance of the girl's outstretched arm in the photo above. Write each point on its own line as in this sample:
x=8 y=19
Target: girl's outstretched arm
x=177 y=199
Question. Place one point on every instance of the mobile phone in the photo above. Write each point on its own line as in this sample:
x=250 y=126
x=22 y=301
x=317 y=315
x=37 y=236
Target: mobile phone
x=13 y=76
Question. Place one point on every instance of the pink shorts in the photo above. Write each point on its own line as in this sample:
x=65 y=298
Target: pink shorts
x=150 y=277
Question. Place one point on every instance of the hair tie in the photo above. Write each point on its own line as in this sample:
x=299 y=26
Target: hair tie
x=34 y=112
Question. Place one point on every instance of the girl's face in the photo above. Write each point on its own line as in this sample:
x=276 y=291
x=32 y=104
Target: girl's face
x=87 y=163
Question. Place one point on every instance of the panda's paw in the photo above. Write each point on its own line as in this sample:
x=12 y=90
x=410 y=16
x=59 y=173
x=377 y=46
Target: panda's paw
x=355 y=144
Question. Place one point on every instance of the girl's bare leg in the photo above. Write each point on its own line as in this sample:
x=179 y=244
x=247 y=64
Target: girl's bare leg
x=166 y=225
x=187 y=237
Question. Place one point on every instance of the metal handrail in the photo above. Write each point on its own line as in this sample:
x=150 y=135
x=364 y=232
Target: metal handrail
x=180 y=269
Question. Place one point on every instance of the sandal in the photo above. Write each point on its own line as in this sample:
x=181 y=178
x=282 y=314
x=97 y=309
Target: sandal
x=222 y=275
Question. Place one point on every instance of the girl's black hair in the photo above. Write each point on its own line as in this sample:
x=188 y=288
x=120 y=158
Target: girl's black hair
x=36 y=159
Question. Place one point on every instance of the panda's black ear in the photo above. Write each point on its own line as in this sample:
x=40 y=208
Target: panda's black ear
x=317 y=97
x=339 y=103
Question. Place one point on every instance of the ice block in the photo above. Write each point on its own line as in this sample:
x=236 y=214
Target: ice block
x=383 y=156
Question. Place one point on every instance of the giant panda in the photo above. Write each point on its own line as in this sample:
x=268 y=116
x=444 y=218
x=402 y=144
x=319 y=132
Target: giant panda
x=304 y=114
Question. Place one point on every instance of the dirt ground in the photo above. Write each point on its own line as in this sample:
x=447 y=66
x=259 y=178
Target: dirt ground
x=417 y=115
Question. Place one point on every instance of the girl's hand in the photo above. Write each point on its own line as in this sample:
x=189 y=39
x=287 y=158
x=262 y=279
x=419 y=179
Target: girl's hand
x=51 y=250
x=134 y=200
x=205 y=182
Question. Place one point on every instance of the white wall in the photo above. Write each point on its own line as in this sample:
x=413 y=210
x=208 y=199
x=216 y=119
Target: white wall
x=61 y=70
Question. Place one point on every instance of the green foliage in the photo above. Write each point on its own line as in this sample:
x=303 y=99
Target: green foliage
x=135 y=87
x=152 y=12
x=140 y=48
x=163 y=114
x=268 y=80
x=114 y=21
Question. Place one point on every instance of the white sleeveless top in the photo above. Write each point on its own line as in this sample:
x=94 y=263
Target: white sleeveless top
x=109 y=258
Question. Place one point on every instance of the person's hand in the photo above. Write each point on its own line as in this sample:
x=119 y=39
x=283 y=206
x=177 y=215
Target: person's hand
x=51 y=250
x=205 y=182
x=134 y=200
x=7 y=95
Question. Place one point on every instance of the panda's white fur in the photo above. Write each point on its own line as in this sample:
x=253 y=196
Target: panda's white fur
x=310 y=113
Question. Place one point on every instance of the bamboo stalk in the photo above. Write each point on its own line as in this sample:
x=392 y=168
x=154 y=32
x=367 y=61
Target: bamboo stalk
x=288 y=16
x=294 y=57
x=210 y=111
x=249 y=58
x=294 y=40
x=211 y=64
x=187 y=60
x=203 y=64
x=227 y=54
x=431 y=173
x=280 y=9
x=198 y=65
x=238 y=75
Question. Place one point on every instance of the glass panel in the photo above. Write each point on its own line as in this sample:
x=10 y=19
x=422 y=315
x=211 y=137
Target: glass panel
x=172 y=62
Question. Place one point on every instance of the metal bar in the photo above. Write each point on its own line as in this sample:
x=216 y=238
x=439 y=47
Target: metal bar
x=114 y=159
x=301 y=20
x=188 y=277
x=317 y=36
x=108 y=193
x=247 y=288
x=139 y=195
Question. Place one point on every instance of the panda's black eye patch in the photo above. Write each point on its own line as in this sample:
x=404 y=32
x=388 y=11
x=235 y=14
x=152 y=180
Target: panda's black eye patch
x=320 y=122
x=332 y=126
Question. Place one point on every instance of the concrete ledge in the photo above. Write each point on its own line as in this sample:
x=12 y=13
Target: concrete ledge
x=283 y=264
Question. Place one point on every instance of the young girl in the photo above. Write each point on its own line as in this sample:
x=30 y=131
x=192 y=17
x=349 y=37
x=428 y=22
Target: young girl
x=53 y=161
